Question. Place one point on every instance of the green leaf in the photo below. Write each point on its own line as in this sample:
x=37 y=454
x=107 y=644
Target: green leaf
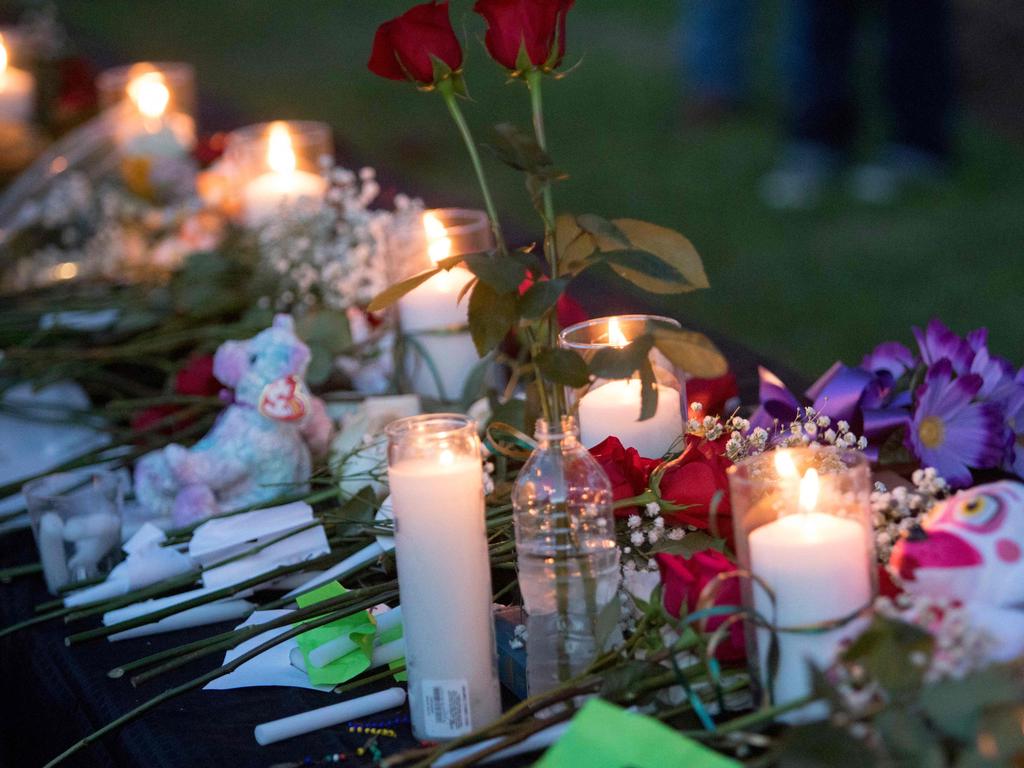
x=620 y=362
x=562 y=366
x=908 y=740
x=519 y=149
x=394 y=292
x=637 y=266
x=326 y=328
x=887 y=650
x=491 y=316
x=540 y=297
x=669 y=246
x=320 y=364
x=690 y=351
x=502 y=274
x=648 y=391
x=689 y=545
x=955 y=706
x=602 y=228
x=607 y=621
x=574 y=246
x=820 y=744
x=621 y=682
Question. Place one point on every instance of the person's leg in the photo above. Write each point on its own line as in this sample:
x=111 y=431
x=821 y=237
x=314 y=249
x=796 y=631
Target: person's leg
x=715 y=48
x=919 y=76
x=816 y=49
x=919 y=96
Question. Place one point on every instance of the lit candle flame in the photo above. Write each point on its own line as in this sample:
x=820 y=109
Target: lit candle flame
x=439 y=245
x=3 y=57
x=150 y=94
x=785 y=465
x=280 y=153
x=615 y=335
x=809 y=485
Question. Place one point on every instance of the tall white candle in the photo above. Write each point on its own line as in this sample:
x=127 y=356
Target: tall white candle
x=816 y=566
x=283 y=184
x=430 y=313
x=614 y=409
x=444 y=581
x=17 y=90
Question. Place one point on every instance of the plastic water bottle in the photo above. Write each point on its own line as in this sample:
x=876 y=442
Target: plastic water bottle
x=568 y=558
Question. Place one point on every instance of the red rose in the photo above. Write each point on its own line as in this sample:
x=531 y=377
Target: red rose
x=626 y=468
x=684 y=580
x=712 y=394
x=197 y=378
x=694 y=481
x=536 y=27
x=403 y=47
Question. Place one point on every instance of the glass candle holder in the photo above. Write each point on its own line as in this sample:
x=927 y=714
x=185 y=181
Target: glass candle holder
x=612 y=407
x=440 y=353
x=76 y=521
x=444 y=577
x=802 y=519
x=153 y=106
x=277 y=165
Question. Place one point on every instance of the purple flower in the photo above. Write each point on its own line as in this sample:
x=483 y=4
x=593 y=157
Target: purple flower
x=890 y=358
x=996 y=375
x=951 y=432
x=1014 y=461
x=937 y=343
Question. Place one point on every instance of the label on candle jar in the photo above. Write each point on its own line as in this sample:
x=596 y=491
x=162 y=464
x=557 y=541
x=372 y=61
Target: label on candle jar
x=446 y=707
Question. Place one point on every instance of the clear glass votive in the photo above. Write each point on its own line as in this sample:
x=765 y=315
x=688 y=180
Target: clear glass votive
x=76 y=521
x=441 y=356
x=444 y=576
x=153 y=107
x=611 y=407
x=278 y=165
x=803 y=529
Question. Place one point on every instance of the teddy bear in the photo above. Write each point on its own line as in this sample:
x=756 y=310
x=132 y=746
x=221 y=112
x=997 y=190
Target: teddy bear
x=261 y=444
x=969 y=549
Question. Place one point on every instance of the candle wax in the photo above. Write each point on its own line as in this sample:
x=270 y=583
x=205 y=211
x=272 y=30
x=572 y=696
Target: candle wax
x=264 y=195
x=17 y=95
x=817 y=567
x=614 y=409
x=444 y=581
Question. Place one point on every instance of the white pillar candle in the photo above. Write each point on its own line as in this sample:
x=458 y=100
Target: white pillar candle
x=444 y=582
x=614 y=409
x=17 y=90
x=146 y=127
x=325 y=717
x=816 y=566
x=284 y=184
x=434 y=306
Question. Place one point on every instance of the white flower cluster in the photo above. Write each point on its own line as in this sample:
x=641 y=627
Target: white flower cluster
x=961 y=647
x=332 y=255
x=648 y=529
x=898 y=510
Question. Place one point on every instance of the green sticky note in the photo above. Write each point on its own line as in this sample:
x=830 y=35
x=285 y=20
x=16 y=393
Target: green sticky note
x=602 y=735
x=386 y=637
x=360 y=627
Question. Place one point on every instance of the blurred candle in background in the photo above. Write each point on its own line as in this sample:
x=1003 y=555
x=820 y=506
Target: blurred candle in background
x=17 y=89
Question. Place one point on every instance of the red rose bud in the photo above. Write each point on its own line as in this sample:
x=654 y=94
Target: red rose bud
x=406 y=48
x=694 y=481
x=525 y=33
x=626 y=468
x=197 y=378
x=713 y=394
x=684 y=581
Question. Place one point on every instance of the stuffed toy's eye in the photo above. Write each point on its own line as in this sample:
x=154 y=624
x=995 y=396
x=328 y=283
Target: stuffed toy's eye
x=979 y=510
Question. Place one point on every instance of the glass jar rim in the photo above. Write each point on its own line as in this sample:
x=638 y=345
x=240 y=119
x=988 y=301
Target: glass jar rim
x=297 y=129
x=743 y=471
x=461 y=221
x=432 y=424
x=564 y=337
x=115 y=77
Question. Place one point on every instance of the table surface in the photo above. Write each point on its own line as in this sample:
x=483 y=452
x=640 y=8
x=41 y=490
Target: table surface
x=55 y=695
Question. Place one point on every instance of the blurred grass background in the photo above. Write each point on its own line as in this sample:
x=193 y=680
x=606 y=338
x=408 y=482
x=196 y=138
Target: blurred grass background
x=801 y=287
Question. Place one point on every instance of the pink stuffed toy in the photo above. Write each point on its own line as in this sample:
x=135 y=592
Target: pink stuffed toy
x=969 y=549
x=260 y=445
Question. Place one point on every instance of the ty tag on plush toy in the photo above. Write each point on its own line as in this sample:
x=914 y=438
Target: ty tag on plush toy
x=285 y=399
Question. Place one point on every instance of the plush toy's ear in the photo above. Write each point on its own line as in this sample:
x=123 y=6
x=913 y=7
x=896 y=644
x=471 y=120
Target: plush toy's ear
x=284 y=322
x=230 y=362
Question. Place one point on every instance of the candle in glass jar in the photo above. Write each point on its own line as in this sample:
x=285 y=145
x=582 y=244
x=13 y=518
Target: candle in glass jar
x=816 y=567
x=147 y=127
x=444 y=581
x=433 y=314
x=17 y=90
x=284 y=183
x=614 y=409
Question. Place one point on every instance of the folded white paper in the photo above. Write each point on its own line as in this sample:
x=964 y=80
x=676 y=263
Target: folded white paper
x=272 y=667
x=145 y=607
x=304 y=545
x=142 y=568
x=222 y=537
x=200 y=616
